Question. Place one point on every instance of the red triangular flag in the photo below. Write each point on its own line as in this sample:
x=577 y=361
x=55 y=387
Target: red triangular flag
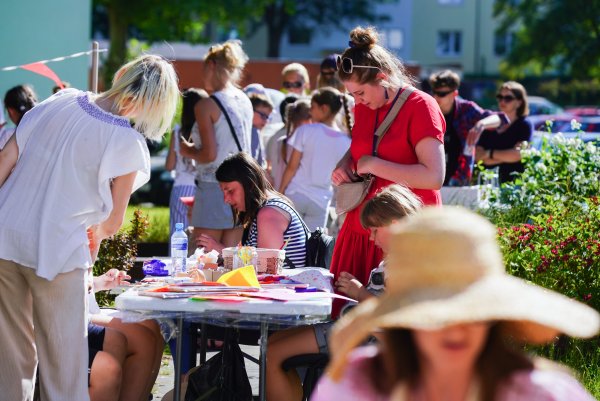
x=43 y=69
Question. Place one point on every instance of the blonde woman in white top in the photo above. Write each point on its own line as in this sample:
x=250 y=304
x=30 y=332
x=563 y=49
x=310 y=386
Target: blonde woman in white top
x=223 y=65
x=72 y=165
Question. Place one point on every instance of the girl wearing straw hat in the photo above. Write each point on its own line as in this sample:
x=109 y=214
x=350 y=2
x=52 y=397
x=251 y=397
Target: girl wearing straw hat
x=447 y=321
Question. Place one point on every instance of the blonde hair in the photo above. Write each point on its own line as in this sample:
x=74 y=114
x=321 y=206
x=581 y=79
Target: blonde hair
x=390 y=203
x=297 y=68
x=147 y=85
x=365 y=50
x=230 y=60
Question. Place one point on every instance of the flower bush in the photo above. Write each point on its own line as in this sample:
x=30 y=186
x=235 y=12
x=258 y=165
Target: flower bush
x=559 y=249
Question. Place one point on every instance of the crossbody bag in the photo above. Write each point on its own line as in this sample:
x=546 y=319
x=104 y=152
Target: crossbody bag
x=351 y=194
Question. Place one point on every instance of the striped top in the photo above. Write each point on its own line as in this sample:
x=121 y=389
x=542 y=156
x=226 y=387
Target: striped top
x=295 y=233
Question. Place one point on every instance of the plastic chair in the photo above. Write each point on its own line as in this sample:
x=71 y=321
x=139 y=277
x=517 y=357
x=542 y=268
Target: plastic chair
x=314 y=365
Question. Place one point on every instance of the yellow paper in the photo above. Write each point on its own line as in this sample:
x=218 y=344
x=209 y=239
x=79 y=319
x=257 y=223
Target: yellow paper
x=244 y=276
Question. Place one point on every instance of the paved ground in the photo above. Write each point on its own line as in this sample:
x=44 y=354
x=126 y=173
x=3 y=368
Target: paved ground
x=164 y=383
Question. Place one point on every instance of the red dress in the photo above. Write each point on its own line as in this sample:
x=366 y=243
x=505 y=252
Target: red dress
x=419 y=117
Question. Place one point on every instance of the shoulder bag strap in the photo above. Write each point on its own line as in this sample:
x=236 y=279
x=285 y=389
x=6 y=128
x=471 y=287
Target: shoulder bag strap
x=218 y=102
x=389 y=118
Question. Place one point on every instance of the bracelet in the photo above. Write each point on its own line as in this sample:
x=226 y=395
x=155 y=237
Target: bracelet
x=492 y=154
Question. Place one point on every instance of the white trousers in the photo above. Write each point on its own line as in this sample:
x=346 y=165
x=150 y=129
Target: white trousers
x=43 y=321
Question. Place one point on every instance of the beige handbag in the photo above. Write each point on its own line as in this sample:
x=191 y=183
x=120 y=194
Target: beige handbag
x=351 y=194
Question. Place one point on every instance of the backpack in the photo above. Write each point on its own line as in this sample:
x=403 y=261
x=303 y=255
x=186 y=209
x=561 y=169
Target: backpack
x=222 y=378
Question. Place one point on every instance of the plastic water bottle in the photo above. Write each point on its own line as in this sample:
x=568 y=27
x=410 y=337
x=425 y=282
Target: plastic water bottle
x=179 y=245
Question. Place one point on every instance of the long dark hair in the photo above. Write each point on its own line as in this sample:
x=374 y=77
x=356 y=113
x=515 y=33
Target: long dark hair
x=242 y=167
x=497 y=361
x=20 y=98
x=190 y=97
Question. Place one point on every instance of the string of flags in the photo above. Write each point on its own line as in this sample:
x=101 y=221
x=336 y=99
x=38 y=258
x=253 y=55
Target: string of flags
x=40 y=67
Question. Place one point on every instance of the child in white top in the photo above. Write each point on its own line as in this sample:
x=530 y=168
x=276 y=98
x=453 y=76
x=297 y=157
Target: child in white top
x=317 y=148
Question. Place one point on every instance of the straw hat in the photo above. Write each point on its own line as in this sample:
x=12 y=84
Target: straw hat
x=445 y=268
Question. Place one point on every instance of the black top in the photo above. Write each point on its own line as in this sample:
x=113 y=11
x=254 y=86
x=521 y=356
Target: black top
x=452 y=146
x=520 y=130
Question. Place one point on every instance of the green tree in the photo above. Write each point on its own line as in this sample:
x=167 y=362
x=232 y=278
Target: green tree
x=281 y=16
x=558 y=35
x=154 y=20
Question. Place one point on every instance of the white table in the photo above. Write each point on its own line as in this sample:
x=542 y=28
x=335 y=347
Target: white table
x=260 y=311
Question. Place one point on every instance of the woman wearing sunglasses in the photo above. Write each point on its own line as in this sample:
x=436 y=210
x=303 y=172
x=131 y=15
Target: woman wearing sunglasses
x=502 y=147
x=410 y=153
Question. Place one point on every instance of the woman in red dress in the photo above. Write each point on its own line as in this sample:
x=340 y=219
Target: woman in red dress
x=411 y=152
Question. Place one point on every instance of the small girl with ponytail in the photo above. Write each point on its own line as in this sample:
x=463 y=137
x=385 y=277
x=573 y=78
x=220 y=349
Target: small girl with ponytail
x=317 y=147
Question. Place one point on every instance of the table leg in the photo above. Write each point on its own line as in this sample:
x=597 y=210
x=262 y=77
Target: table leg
x=262 y=370
x=177 y=361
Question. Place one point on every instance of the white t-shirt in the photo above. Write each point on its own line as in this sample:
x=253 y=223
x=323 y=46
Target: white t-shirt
x=322 y=147
x=69 y=152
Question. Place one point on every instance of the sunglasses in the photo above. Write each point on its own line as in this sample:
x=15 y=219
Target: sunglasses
x=347 y=65
x=441 y=93
x=290 y=85
x=264 y=116
x=507 y=98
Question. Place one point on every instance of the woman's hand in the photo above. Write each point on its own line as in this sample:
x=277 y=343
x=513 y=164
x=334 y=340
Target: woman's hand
x=349 y=285
x=209 y=243
x=111 y=279
x=343 y=171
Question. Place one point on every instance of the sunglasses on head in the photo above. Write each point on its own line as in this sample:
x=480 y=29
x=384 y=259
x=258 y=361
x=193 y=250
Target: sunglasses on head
x=295 y=84
x=264 y=116
x=507 y=98
x=442 y=93
x=347 y=65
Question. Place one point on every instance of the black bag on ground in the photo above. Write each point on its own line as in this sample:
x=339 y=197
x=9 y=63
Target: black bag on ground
x=222 y=378
x=319 y=249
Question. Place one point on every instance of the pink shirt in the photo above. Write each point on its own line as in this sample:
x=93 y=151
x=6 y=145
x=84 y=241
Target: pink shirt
x=534 y=385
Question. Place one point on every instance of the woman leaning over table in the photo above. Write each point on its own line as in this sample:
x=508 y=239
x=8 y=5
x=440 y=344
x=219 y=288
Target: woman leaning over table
x=411 y=153
x=72 y=165
x=268 y=217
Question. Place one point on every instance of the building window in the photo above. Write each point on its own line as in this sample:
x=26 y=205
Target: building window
x=392 y=38
x=449 y=43
x=503 y=43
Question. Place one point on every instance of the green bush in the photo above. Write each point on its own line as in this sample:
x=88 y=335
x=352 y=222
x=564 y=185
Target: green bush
x=548 y=223
x=158 y=223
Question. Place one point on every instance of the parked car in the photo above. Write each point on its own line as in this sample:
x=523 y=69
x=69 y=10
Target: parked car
x=541 y=105
x=538 y=121
x=594 y=137
x=584 y=111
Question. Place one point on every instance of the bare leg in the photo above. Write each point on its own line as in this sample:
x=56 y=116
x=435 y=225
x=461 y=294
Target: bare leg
x=281 y=385
x=154 y=329
x=138 y=369
x=105 y=378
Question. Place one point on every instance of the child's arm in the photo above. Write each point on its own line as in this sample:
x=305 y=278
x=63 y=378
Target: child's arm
x=290 y=170
x=349 y=285
x=111 y=279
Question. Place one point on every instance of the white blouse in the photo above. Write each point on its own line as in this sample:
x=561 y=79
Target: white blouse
x=69 y=152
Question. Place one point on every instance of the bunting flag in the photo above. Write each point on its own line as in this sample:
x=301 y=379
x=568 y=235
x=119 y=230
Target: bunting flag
x=44 y=70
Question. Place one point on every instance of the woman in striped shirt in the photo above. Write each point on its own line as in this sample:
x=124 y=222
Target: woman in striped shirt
x=268 y=217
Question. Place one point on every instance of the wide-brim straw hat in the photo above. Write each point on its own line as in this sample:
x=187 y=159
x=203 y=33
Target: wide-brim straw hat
x=445 y=268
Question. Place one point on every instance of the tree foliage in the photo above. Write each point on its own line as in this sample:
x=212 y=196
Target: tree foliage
x=556 y=35
x=155 y=20
x=280 y=16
